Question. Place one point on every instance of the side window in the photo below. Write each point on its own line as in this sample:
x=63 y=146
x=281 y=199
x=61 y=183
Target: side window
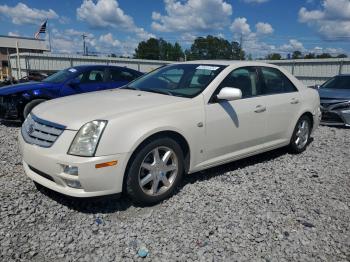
x=275 y=82
x=121 y=75
x=245 y=79
x=91 y=76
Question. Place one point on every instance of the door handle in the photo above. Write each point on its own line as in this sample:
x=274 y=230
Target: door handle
x=260 y=109
x=294 y=101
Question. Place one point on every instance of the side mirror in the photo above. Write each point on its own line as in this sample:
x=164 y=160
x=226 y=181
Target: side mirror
x=74 y=83
x=229 y=94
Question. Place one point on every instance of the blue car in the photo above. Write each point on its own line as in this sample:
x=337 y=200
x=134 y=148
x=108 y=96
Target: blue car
x=17 y=101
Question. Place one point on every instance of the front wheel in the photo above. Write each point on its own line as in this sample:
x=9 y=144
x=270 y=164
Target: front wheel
x=301 y=135
x=155 y=171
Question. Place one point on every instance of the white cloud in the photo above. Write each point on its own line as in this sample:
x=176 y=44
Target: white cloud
x=240 y=26
x=13 y=33
x=291 y=46
x=22 y=14
x=332 y=21
x=109 y=40
x=108 y=14
x=70 y=41
x=264 y=28
x=252 y=42
x=192 y=16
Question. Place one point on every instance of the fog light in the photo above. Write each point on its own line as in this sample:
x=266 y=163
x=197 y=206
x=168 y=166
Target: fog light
x=70 y=170
x=73 y=183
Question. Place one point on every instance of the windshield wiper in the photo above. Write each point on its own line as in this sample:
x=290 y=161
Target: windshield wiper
x=159 y=91
x=130 y=88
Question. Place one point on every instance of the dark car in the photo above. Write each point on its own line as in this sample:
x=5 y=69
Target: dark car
x=335 y=101
x=17 y=101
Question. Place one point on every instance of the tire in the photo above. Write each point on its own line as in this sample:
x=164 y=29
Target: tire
x=301 y=135
x=29 y=107
x=151 y=179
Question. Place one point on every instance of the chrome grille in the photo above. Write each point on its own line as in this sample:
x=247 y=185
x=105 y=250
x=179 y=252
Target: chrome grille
x=40 y=132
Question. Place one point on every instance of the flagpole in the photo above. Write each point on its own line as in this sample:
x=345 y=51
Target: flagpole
x=49 y=31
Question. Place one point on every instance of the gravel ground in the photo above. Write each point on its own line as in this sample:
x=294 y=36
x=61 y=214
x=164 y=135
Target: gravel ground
x=271 y=207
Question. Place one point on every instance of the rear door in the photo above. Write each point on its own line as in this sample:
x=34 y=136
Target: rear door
x=283 y=100
x=94 y=80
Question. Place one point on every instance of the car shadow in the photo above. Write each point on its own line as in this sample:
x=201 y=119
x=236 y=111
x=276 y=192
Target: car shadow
x=119 y=202
x=10 y=123
x=230 y=111
x=213 y=172
x=92 y=205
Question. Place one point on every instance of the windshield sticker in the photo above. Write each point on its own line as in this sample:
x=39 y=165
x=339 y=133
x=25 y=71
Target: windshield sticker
x=72 y=70
x=211 y=68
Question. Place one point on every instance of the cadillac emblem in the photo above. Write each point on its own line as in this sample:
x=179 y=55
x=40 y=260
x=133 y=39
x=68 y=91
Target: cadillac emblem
x=30 y=129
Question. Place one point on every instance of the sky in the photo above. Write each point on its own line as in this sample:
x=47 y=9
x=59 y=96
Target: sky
x=117 y=26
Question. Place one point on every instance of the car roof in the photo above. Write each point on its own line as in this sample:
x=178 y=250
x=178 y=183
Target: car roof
x=100 y=66
x=229 y=63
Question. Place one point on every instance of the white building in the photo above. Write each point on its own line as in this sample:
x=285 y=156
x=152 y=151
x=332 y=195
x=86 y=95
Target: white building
x=12 y=45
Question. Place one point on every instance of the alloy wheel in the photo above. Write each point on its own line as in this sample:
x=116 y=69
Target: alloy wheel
x=158 y=171
x=303 y=133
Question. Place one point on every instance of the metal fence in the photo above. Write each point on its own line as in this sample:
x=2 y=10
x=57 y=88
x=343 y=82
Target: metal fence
x=309 y=71
x=315 y=71
x=24 y=63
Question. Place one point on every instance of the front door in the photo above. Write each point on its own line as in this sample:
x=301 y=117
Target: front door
x=88 y=81
x=235 y=128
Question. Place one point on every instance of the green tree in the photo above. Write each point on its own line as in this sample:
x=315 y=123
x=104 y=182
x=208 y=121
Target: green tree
x=212 y=47
x=324 y=55
x=158 y=49
x=342 y=56
x=274 y=56
x=297 y=55
x=310 y=56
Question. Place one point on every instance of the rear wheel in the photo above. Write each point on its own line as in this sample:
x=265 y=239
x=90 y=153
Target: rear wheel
x=29 y=107
x=301 y=135
x=155 y=171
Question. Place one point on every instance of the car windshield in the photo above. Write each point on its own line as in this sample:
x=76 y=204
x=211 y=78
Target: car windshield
x=338 y=82
x=184 y=80
x=61 y=76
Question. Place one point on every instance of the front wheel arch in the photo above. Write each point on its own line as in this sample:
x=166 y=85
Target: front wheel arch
x=167 y=133
x=27 y=108
x=311 y=118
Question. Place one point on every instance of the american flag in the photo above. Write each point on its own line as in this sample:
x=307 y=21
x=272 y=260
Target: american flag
x=42 y=29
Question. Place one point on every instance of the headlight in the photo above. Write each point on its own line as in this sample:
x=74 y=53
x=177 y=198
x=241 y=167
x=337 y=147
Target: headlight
x=86 y=141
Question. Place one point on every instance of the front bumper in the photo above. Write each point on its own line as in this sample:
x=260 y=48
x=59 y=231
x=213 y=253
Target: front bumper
x=9 y=107
x=44 y=166
x=337 y=114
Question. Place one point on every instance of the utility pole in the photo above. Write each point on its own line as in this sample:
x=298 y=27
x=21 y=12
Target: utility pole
x=84 y=44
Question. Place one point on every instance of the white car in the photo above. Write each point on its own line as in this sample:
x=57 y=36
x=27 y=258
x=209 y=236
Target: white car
x=178 y=119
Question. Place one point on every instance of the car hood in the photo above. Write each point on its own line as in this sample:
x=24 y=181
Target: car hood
x=22 y=87
x=74 y=111
x=334 y=94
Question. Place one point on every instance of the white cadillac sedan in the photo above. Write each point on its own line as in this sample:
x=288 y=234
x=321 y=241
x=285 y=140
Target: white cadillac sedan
x=181 y=118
